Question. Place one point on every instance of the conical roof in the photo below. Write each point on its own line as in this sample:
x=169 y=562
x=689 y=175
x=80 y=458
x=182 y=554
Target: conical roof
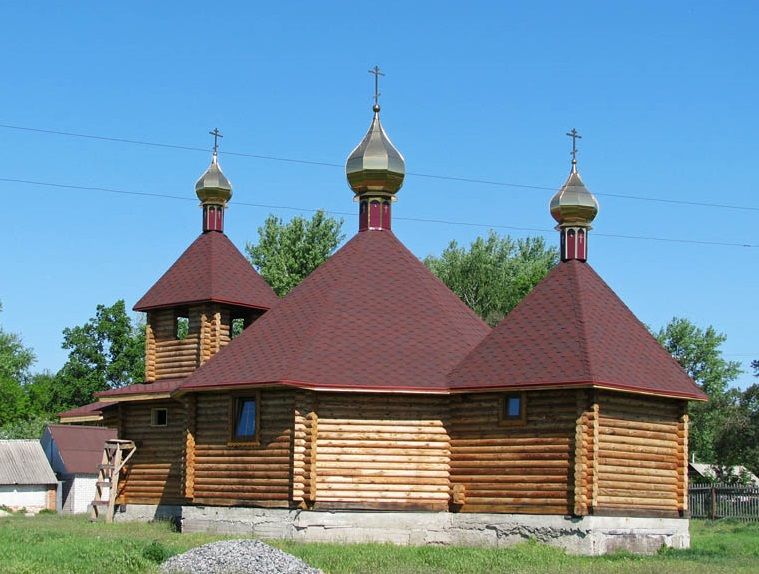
x=573 y=330
x=372 y=317
x=211 y=269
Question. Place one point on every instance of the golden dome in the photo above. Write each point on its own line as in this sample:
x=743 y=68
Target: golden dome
x=213 y=186
x=375 y=165
x=573 y=205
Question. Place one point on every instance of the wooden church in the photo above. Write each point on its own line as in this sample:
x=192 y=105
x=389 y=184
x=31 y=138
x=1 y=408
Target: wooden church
x=372 y=392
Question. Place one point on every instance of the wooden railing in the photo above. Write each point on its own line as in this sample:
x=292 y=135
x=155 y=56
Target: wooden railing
x=715 y=501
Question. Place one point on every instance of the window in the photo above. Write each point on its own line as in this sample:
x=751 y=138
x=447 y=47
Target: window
x=238 y=325
x=159 y=417
x=512 y=409
x=182 y=325
x=244 y=419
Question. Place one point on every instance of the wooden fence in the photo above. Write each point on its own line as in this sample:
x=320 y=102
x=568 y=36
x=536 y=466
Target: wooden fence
x=715 y=501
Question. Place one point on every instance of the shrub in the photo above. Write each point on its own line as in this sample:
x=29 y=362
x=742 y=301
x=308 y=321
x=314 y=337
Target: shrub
x=156 y=552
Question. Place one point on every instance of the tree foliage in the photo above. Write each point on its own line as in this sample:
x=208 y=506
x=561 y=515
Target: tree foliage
x=494 y=273
x=286 y=253
x=737 y=441
x=15 y=362
x=107 y=352
x=699 y=353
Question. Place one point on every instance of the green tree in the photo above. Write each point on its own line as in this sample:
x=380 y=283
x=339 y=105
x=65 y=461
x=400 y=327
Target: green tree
x=699 y=353
x=107 y=352
x=495 y=273
x=15 y=361
x=286 y=253
x=737 y=442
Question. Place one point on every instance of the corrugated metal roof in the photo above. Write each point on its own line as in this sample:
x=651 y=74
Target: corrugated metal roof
x=24 y=462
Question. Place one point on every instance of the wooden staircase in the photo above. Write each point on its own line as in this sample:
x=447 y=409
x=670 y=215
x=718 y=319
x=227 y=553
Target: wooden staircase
x=116 y=453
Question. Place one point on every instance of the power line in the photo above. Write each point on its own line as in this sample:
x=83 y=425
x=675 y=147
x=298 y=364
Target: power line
x=346 y=213
x=478 y=181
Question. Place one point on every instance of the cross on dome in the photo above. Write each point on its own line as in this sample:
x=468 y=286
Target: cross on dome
x=377 y=73
x=216 y=135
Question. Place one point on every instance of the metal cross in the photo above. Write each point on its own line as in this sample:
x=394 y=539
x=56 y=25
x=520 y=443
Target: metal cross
x=377 y=74
x=575 y=136
x=216 y=135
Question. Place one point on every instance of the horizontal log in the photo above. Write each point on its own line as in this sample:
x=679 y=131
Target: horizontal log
x=507 y=500
x=324 y=494
x=606 y=439
x=522 y=463
x=636 y=494
x=389 y=450
x=396 y=418
x=516 y=470
x=323 y=465
x=558 y=487
x=417 y=489
x=373 y=443
x=382 y=480
x=665 y=427
x=513 y=456
x=379 y=457
x=389 y=428
x=510 y=441
x=550 y=481
x=383 y=472
x=386 y=436
x=212 y=497
x=515 y=508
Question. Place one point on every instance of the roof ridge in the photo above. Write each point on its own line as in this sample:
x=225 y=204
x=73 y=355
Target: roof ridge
x=424 y=272
x=580 y=318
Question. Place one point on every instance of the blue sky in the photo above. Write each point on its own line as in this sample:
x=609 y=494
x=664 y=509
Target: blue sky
x=664 y=95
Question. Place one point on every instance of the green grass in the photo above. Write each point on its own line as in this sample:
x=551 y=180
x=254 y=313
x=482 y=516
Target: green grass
x=64 y=544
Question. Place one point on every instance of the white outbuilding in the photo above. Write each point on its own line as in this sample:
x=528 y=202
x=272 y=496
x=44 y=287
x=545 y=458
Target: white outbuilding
x=26 y=479
x=75 y=452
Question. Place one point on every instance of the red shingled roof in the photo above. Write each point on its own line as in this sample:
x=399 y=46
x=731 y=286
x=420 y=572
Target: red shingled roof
x=85 y=410
x=162 y=386
x=372 y=317
x=211 y=269
x=80 y=447
x=572 y=329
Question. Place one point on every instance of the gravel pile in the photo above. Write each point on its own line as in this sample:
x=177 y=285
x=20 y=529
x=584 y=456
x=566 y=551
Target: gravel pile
x=236 y=556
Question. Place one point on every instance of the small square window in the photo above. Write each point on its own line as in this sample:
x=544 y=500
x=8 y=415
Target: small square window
x=512 y=409
x=159 y=417
x=244 y=419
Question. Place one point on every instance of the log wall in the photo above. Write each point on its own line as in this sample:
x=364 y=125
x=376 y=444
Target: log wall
x=210 y=329
x=514 y=468
x=377 y=452
x=155 y=472
x=227 y=474
x=642 y=454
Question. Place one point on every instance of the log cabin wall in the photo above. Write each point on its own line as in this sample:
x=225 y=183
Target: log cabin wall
x=209 y=329
x=642 y=455
x=166 y=355
x=526 y=468
x=372 y=451
x=155 y=472
x=228 y=474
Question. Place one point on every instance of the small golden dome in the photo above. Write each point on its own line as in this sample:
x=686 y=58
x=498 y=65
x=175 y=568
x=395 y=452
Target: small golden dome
x=213 y=186
x=375 y=165
x=573 y=204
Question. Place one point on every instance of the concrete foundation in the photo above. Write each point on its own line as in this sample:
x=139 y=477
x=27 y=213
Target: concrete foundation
x=591 y=535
